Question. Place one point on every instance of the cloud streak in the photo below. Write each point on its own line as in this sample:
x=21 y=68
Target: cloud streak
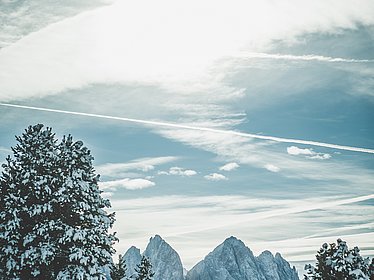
x=142 y=164
x=294 y=209
x=189 y=127
x=186 y=221
x=309 y=57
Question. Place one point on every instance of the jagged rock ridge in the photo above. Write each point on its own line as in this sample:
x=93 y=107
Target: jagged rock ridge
x=232 y=260
x=132 y=258
x=166 y=263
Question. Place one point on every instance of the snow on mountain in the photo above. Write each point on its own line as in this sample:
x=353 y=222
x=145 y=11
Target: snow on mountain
x=132 y=258
x=232 y=260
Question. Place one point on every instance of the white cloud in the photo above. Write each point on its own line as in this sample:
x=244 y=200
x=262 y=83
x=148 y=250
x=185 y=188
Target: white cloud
x=229 y=166
x=166 y=53
x=293 y=150
x=321 y=156
x=259 y=153
x=178 y=171
x=215 y=177
x=272 y=168
x=142 y=164
x=129 y=184
x=309 y=153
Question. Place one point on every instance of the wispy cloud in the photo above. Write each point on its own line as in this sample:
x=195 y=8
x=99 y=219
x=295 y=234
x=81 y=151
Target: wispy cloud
x=215 y=177
x=178 y=171
x=142 y=164
x=309 y=153
x=20 y=18
x=241 y=147
x=104 y=57
x=259 y=153
x=129 y=184
x=195 y=225
x=207 y=129
x=5 y=150
x=229 y=166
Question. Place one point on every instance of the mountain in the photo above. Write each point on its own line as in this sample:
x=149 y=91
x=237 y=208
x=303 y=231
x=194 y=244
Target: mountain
x=232 y=260
x=132 y=258
x=166 y=263
x=276 y=268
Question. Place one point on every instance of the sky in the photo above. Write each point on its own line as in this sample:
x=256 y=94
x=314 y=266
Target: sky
x=206 y=119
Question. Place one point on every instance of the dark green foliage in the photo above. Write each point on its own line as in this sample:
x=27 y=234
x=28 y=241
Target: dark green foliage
x=52 y=219
x=371 y=269
x=144 y=270
x=119 y=269
x=338 y=262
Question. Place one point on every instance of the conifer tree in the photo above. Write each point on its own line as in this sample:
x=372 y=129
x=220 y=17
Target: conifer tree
x=53 y=223
x=119 y=269
x=337 y=261
x=144 y=270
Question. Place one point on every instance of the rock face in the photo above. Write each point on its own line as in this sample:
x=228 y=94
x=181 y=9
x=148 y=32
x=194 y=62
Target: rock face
x=276 y=268
x=132 y=258
x=232 y=260
x=166 y=263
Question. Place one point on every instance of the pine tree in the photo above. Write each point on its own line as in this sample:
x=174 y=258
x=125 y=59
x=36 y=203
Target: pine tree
x=144 y=270
x=119 y=270
x=337 y=261
x=371 y=269
x=53 y=223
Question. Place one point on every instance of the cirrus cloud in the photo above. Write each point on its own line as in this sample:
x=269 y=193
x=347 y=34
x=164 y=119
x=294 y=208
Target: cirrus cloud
x=142 y=164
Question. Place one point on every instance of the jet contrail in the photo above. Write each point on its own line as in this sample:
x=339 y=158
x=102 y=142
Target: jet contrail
x=308 y=57
x=221 y=131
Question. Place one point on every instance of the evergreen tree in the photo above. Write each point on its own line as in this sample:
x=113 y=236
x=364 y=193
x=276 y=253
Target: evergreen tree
x=144 y=270
x=53 y=223
x=119 y=270
x=337 y=261
x=371 y=269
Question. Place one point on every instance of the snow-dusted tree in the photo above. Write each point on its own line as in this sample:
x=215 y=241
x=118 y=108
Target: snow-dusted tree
x=119 y=270
x=337 y=261
x=53 y=223
x=144 y=270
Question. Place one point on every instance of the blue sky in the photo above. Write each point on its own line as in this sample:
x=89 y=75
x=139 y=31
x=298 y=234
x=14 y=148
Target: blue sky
x=275 y=68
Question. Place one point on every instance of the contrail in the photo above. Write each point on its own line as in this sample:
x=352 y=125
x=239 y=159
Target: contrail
x=308 y=57
x=302 y=208
x=221 y=131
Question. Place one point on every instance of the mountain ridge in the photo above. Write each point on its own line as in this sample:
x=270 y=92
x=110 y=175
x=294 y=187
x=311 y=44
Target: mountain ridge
x=230 y=260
